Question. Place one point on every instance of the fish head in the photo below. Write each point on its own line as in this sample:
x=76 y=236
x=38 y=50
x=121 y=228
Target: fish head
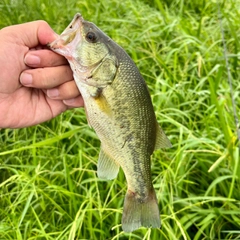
x=82 y=42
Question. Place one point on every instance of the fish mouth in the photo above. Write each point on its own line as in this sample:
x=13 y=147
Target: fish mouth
x=67 y=41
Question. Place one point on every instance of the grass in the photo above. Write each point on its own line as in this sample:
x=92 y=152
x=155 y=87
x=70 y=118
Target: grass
x=48 y=183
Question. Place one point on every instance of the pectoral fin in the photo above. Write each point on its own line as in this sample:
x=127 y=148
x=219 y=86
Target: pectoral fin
x=104 y=73
x=162 y=140
x=107 y=168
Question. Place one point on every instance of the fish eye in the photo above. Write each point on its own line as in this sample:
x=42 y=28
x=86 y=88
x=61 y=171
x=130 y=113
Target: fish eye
x=91 y=37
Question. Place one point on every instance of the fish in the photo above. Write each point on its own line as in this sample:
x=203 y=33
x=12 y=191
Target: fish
x=118 y=107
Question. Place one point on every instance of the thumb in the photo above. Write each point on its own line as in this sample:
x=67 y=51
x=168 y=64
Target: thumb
x=34 y=33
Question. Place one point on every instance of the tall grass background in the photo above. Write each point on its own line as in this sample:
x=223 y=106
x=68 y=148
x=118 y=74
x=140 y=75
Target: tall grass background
x=48 y=183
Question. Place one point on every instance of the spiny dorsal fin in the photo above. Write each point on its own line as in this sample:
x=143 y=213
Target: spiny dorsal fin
x=107 y=168
x=162 y=140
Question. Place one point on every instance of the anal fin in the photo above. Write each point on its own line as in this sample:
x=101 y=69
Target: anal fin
x=107 y=168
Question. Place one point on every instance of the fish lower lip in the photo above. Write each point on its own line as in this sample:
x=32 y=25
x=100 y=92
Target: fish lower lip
x=54 y=45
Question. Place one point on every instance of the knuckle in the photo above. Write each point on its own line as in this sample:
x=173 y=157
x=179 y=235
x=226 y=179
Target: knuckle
x=40 y=78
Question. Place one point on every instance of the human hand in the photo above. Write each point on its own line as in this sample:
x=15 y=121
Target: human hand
x=36 y=84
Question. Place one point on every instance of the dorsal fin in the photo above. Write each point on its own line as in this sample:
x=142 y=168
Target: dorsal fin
x=162 y=140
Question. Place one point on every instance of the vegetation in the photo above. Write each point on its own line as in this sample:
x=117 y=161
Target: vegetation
x=48 y=183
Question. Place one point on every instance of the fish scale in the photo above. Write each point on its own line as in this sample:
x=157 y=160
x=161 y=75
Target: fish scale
x=119 y=108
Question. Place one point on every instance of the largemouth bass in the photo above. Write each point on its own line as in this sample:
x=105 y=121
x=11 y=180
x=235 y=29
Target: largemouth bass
x=119 y=108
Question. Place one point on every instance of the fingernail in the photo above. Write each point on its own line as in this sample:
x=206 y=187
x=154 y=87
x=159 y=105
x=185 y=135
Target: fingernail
x=53 y=93
x=26 y=79
x=69 y=101
x=32 y=60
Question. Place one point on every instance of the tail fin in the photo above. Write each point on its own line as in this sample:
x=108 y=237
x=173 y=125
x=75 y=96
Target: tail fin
x=137 y=213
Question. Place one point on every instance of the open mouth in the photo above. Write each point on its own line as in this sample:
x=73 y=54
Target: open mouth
x=70 y=37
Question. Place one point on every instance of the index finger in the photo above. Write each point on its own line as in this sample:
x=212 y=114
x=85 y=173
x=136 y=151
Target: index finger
x=44 y=58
